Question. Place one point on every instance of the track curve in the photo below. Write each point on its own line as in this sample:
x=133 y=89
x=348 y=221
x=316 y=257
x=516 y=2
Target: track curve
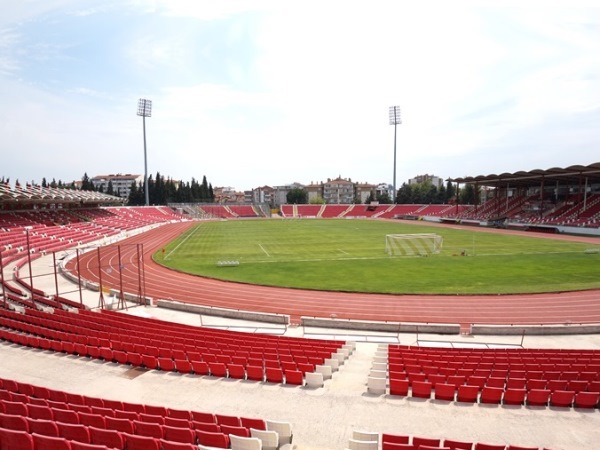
x=163 y=283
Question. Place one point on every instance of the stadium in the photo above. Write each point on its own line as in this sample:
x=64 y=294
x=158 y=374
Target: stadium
x=105 y=347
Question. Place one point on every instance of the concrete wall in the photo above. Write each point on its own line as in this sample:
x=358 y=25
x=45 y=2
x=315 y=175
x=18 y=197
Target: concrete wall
x=394 y=327
x=557 y=329
x=281 y=319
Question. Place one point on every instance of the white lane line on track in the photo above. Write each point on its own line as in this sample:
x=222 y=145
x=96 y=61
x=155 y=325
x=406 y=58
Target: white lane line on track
x=181 y=243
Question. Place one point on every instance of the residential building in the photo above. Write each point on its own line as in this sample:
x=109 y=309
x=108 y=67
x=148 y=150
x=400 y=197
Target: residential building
x=121 y=183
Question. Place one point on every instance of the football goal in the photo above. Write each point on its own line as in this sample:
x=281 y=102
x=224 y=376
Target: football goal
x=413 y=244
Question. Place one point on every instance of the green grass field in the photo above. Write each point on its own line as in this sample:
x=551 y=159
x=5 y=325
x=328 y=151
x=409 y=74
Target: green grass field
x=349 y=255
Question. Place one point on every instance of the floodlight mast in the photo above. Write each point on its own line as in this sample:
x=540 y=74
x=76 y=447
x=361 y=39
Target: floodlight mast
x=395 y=120
x=145 y=110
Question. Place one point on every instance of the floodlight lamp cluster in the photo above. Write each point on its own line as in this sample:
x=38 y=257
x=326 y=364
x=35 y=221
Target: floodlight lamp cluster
x=395 y=115
x=144 y=107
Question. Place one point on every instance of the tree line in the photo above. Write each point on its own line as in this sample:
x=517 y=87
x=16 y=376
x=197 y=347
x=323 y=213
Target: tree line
x=424 y=193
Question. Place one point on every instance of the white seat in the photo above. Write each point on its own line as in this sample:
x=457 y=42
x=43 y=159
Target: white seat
x=283 y=430
x=269 y=439
x=379 y=366
x=314 y=379
x=376 y=385
x=380 y=359
x=361 y=435
x=325 y=370
x=378 y=373
x=354 y=444
x=245 y=443
x=333 y=363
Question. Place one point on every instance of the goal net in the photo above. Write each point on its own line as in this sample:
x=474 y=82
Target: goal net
x=413 y=244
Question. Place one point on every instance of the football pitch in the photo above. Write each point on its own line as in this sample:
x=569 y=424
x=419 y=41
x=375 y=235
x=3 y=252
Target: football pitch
x=349 y=255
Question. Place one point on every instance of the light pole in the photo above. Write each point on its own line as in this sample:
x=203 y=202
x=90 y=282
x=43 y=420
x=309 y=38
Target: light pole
x=145 y=110
x=395 y=120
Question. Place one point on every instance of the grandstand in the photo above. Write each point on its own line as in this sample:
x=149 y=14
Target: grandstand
x=75 y=376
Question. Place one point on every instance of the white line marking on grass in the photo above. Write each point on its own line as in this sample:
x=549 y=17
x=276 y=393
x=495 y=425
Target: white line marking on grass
x=263 y=249
x=342 y=251
x=181 y=243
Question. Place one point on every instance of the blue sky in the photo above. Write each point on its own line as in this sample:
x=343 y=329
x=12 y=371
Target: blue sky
x=250 y=93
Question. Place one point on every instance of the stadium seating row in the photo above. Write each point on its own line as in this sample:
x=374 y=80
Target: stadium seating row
x=37 y=411
x=365 y=440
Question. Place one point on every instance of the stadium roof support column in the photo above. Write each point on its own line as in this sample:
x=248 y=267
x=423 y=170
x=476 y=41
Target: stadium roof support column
x=542 y=198
x=457 y=196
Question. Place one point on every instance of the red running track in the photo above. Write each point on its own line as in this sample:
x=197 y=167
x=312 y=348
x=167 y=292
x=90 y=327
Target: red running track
x=163 y=283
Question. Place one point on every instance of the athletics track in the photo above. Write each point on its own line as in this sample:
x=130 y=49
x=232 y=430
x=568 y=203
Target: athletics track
x=162 y=283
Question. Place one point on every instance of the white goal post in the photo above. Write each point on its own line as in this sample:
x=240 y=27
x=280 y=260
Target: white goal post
x=413 y=244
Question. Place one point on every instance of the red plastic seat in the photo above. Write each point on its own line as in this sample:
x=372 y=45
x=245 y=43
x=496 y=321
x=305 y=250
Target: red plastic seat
x=185 y=435
x=536 y=384
x=170 y=445
x=135 y=442
x=273 y=375
x=421 y=389
x=150 y=362
x=237 y=431
x=257 y=424
x=538 y=397
x=492 y=395
x=445 y=392
x=121 y=414
x=15 y=408
x=41 y=441
x=180 y=414
x=390 y=441
x=205 y=417
x=482 y=446
x=120 y=424
x=294 y=377
x=176 y=422
x=16 y=440
x=40 y=412
x=157 y=410
x=255 y=373
x=14 y=422
x=183 y=366
x=516 y=383
x=200 y=367
x=209 y=439
x=223 y=419
x=217 y=369
x=83 y=446
x=206 y=426
x=74 y=432
x=166 y=364
x=587 y=399
x=495 y=382
x=518 y=447
x=236 y=371
x=467 y=394
x=110 y=438
x=562 y=398
x=458 y=445
x=94 y=420
x=418 y=441
x=65 y=416
x=44 y=427
x=514 y=396
x=398 y=387
x=154 y=430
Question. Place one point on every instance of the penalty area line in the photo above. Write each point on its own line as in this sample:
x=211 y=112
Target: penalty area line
x=263 y=249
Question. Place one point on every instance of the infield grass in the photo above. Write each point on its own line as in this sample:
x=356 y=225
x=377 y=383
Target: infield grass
x=349 y=255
